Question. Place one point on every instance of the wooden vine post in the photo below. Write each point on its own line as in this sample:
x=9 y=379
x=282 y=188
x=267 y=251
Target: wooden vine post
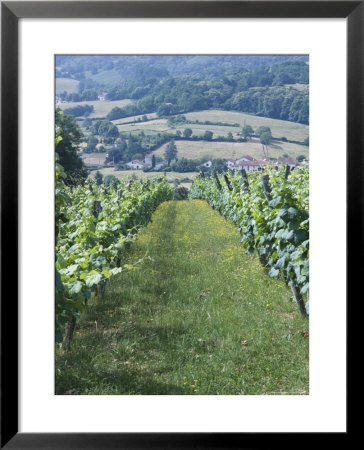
x=227 y=181
x=267 y=187
x=70 y=328
x=244 y=181
x=96 y=208
x=299 y=299
x=217 y=181
x=287 y=172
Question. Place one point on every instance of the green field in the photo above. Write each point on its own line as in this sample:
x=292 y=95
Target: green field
x=291 y=130
x=150 y=127
x=233 y=150
x=66 y=84
x=280 y=128
x=298 y=86
x=192 y=314
x=101 y=108
x=127 y=174
x=134 y=118
x=161 y=126
x=94 y=159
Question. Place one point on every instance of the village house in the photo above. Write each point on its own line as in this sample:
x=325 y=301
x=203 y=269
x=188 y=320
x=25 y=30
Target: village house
x=102 y=97
x=206 y=164
x=291 y=162
x=136 y=164
x=250 y=166
x=230 y=163
x=245 y=158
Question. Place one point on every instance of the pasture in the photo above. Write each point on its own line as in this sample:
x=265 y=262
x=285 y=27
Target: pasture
x=280 y=128
x=134 y=118
x=156 y=126
x=291 y=130
x=128 y=174
x=233 y=150
x=66 y=84
x=101 y=109
x=94 y=159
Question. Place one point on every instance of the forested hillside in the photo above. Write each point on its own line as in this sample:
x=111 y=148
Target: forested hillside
x=268 y=86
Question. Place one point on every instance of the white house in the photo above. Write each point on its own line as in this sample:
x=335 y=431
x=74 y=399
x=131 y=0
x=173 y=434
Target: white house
x=102 y=97
x=291 y=162
x=136 y=164
x=251 y=166
x=207 y=164
x=245 y=158
x=230 y=163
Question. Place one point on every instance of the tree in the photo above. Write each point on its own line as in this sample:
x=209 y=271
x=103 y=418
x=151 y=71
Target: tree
x=262 y=130
x=184 y=165
x=180 y=193
x=113 y=156
x=218 y=165
x=247 y=131
x=187 y=133
x=208 y=135
x=170 y=152
x=230 y=136
x=71 y=137
x=98 y=178
x=110 y=179
x=153 y=161
x=265 y=138
x=92 y=141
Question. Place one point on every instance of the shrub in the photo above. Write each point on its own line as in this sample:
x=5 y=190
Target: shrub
x=180 y=193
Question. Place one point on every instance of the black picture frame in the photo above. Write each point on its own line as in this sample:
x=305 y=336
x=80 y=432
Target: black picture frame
x=11 y=12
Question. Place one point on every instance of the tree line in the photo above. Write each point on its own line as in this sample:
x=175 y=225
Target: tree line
x=267 y=91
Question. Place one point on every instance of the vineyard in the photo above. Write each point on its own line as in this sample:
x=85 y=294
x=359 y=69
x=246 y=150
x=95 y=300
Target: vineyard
x=271 y=211
x=181 y=304
x=94 y=225
x=194 y=316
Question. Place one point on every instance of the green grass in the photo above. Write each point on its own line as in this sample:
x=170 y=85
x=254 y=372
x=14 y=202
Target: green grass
x=66 y=84
x=132 y=118
x=291 y=130
x=127 y=174
x=196 y=317
x=234 y=150
x=161 y=126
x=101 y=109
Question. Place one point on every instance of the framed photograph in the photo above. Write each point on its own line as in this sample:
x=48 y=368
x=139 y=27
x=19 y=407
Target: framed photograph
x=230 y=102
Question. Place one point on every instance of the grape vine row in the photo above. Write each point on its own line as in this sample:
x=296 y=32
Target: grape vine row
x=94 y=225
x=271 y=212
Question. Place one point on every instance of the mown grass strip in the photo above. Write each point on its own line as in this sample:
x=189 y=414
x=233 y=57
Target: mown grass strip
x=196 y=316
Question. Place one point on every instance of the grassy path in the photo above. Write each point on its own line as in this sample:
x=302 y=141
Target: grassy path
x=196 y=316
